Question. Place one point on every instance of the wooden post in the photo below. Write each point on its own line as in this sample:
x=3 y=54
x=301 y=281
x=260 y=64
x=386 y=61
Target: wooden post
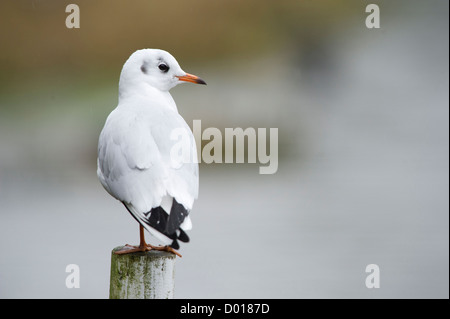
x=142 y=275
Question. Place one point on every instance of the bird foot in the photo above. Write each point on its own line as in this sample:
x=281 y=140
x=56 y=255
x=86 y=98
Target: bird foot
x=164 y=248
x=128 y=249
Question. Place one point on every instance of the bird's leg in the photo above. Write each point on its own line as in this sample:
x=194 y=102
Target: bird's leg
x=142 y=243
x=143 y=246
x=132 y=249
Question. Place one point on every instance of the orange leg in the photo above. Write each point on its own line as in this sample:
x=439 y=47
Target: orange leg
x=143 y=246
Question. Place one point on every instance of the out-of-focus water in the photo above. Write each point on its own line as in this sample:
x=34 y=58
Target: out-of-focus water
x=297 y=234
x=363 y=179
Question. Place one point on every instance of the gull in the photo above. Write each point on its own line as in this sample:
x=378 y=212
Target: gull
x=135 y=161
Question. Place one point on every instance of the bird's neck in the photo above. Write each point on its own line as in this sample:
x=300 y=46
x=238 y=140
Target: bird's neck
x=146 y=92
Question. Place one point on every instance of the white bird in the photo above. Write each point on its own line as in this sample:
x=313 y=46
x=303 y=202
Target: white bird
x=136 y=148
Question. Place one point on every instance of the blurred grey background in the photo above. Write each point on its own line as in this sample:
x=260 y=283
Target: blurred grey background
x=363 y=121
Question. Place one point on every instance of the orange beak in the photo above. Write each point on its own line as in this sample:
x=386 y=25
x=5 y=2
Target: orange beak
x=191 y=78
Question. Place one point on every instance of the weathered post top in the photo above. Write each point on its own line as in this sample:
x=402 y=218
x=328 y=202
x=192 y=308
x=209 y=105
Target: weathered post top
x=142 y=275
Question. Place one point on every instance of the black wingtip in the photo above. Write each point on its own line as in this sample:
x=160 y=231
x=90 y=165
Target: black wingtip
x=166 y=224
x=176 y=217
x=183 y=236
x=175 y=244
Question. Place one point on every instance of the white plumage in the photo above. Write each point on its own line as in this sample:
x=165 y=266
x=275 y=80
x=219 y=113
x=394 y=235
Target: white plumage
x=135 y=150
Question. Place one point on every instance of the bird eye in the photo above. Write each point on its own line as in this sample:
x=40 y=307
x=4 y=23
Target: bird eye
x=163 y=67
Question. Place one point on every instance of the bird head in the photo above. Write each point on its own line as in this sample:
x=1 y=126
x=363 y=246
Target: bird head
x=157 y=68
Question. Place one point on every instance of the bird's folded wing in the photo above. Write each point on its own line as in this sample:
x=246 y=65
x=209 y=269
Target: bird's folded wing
x=177 y=147
x=135 y=165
